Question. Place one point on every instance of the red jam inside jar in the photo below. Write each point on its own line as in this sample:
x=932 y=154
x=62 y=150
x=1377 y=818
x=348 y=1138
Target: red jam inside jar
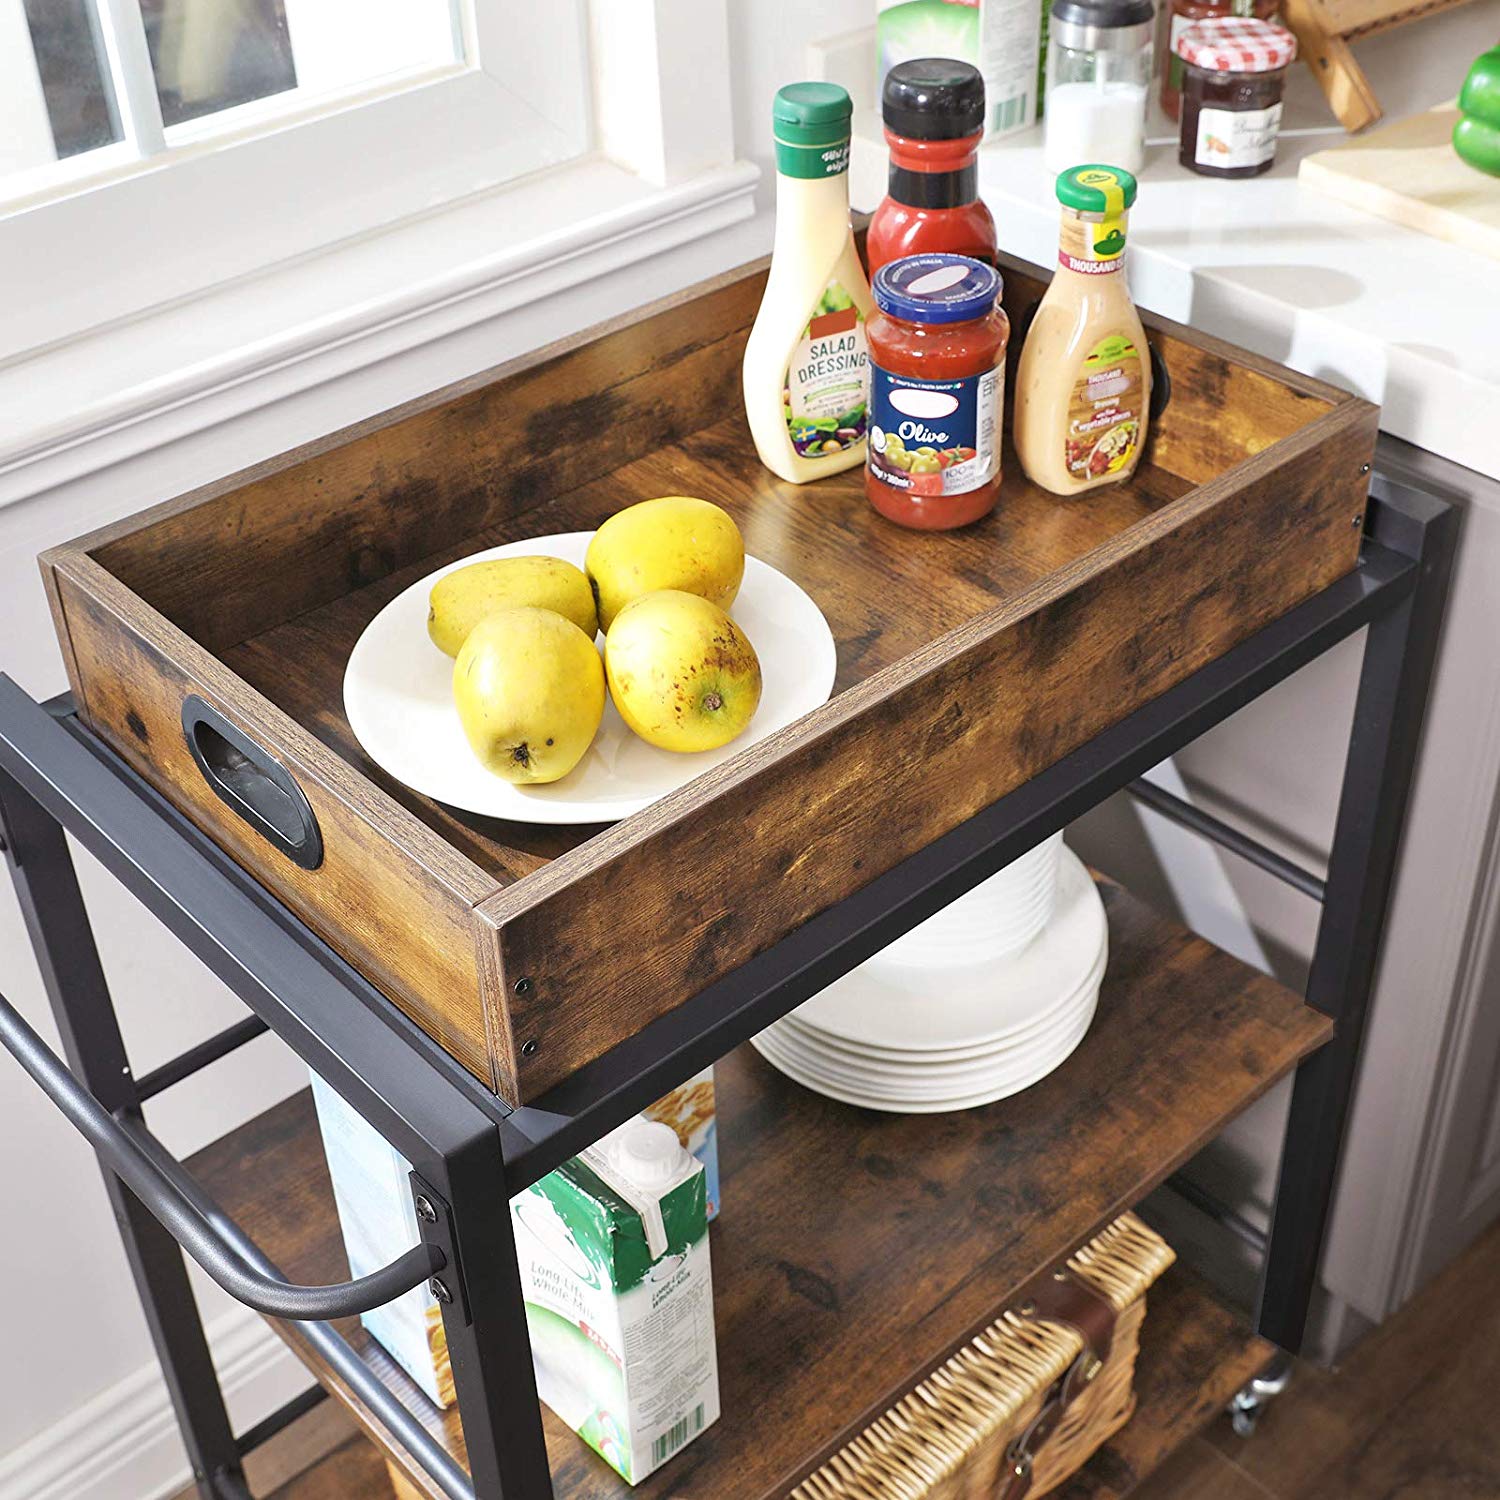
x=1233 y=70
x=937 y=385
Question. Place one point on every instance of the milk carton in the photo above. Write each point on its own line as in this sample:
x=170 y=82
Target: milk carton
x=613 y=1251
x=1002 y=38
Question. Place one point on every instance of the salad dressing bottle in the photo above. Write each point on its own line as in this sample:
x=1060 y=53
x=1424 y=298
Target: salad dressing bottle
x=1083 y=386
x=806 y=371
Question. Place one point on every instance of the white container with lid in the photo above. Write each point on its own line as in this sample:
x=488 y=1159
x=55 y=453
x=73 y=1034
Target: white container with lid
x=1098 y=77
x=613 y=1254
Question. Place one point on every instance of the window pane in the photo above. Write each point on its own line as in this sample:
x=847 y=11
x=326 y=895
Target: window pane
x=210 y=55
x=55 y=96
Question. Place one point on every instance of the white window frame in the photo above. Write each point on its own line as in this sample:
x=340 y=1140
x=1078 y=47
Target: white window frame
x=230 y=196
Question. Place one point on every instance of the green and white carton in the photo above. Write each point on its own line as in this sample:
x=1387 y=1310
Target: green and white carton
x=1002 y=38
x=613 y=1251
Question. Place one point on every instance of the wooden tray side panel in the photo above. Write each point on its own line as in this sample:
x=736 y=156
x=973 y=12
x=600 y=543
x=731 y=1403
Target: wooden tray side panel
x=1227 y=404
x=641 y=918
x=390 y=895
x=265 y=545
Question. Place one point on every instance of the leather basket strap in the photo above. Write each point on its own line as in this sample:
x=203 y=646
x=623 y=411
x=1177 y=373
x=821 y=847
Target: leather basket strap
x=1062 y=1298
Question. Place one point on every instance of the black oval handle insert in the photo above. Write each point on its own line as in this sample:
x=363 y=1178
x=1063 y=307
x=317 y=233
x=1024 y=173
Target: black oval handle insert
x=1161 y=382
x=261 y=790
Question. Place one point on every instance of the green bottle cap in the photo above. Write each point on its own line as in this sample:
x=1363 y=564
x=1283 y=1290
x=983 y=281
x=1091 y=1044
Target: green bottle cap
x=1096 y=189
x=811 y=124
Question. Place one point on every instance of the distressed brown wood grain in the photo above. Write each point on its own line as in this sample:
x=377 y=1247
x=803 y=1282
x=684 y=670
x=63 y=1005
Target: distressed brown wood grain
x=966 y=662
x=647 y=914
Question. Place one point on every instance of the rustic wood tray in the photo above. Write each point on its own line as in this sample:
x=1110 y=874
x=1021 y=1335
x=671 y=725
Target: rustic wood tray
x=967 y=662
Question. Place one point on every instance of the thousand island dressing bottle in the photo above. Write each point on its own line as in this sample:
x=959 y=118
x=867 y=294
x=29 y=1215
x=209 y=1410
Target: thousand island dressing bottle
x=1083 y=385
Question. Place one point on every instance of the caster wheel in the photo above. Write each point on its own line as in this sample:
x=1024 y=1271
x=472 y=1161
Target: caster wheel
x=1251 y=1400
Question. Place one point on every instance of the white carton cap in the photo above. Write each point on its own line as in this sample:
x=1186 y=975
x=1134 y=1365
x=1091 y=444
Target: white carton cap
x=646 y=1153
x=642 y=1160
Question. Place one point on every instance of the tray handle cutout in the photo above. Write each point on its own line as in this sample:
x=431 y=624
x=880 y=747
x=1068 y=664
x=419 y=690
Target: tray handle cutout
x=247 y=780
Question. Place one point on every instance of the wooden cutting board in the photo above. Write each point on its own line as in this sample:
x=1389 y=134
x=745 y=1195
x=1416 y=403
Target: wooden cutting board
x=1409 y=172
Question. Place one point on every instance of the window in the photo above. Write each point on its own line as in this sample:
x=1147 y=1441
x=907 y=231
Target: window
x=152 y=148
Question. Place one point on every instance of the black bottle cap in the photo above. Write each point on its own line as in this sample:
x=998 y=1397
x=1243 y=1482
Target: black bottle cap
x=1106 y=15
x=934 y=99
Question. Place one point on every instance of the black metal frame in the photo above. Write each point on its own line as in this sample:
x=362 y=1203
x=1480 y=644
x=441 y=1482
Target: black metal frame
x=470 y=1153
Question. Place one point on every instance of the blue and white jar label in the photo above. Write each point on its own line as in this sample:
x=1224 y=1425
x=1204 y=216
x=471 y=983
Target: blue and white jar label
x=935 y=437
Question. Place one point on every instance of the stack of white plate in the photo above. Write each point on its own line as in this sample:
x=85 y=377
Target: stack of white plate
x=1000 y=916
x=928 y=1026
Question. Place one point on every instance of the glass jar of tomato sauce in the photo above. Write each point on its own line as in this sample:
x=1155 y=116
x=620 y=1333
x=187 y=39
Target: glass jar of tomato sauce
x=937 y=383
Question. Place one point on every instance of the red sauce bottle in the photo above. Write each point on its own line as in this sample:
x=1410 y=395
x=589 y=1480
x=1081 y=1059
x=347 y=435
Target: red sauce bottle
x=933 y=109
x=937 y=389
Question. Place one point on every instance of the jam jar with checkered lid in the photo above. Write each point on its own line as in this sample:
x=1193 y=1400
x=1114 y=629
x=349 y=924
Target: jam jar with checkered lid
x=1233 y=70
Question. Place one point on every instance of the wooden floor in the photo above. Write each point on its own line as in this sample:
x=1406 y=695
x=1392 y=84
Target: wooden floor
x=1411 y=1416
x=1414 y=1414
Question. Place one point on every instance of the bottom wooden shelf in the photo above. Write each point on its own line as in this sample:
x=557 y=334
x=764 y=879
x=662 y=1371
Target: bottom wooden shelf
x=856 y=1250
x=1195 y=1354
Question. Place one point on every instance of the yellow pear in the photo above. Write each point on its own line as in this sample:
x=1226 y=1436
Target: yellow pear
x=529 y=687
x=683 y=675
x=676 y=542
x=462 y=598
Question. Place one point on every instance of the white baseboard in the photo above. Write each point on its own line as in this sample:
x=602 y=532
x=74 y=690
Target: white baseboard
x=124 y=1445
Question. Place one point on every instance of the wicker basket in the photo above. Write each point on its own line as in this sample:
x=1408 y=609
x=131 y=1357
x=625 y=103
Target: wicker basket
x=1022 y=1407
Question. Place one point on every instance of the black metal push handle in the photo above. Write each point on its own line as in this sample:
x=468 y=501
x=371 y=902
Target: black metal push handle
x=266 y=1294
x=252 y=783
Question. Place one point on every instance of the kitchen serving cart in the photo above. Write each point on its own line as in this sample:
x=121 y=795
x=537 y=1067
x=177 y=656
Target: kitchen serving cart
x=494 y=997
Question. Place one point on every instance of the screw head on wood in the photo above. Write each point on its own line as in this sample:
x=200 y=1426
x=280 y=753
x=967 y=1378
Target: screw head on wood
x=1364 y=468
x=523 y=985
x=1357 y=521
x=439 y=1289
x=529 y=1048
x=425 y=1211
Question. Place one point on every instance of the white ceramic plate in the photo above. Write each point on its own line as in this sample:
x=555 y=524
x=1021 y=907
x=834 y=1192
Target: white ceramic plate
x=869 y=1099
x=920 y=1080
x=966 y=1086
x=398 y=696
x=997 y=918
x=901 y=1010
x=883 y=1063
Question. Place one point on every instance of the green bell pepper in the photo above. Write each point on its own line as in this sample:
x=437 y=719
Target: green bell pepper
x=1476 y=137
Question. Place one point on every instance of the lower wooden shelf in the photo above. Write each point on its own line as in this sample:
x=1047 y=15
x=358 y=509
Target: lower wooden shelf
x=856 y=1250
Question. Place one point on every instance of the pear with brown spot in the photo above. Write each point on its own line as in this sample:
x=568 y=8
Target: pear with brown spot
x=529 y=688
x=675 y=542
x=683 y=675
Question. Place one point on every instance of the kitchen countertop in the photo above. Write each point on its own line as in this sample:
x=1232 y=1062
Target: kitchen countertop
x=1407 y=321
